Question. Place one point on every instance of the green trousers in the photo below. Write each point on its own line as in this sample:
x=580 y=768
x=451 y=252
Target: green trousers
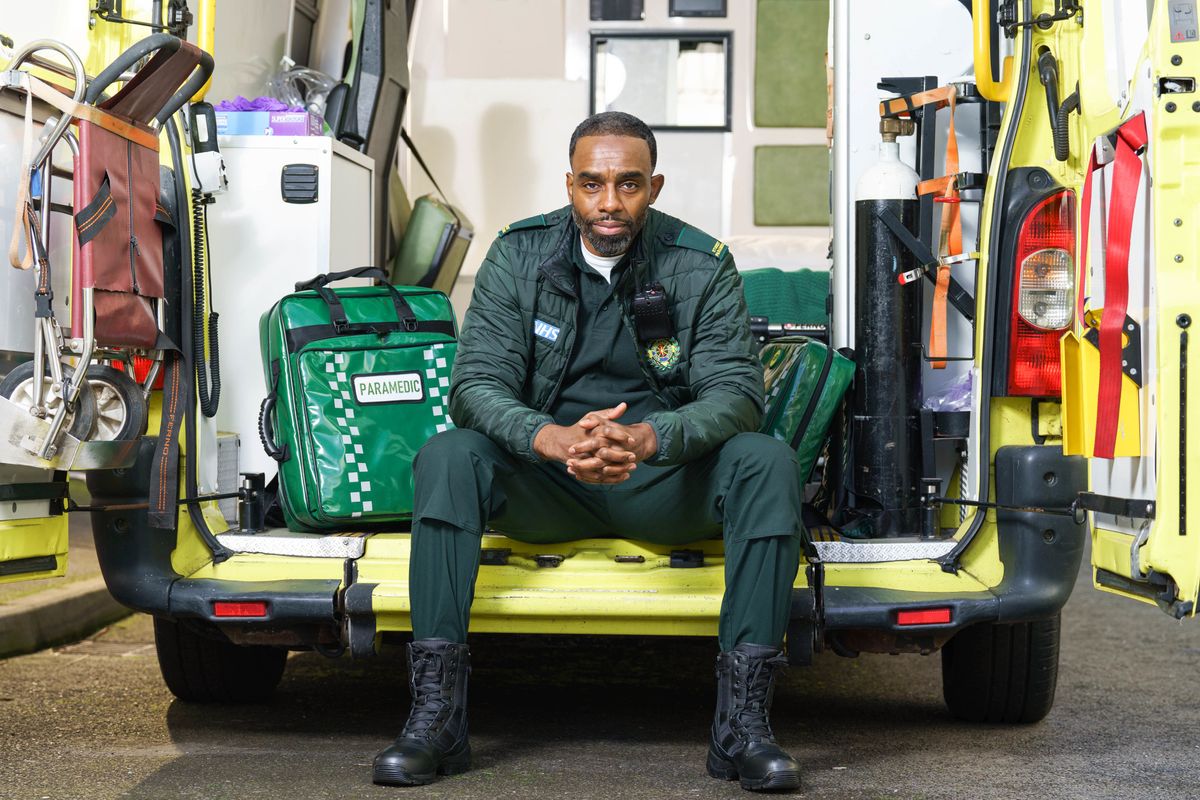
x=747 y=491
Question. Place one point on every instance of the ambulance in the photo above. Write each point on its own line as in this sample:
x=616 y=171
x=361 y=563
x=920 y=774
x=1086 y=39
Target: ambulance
x=1011 y=243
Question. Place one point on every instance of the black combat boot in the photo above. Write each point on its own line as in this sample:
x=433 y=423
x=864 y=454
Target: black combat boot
x=743 y=746
x=434 y=740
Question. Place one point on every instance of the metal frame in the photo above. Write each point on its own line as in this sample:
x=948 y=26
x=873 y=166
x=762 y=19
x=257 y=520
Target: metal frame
x=691 y=36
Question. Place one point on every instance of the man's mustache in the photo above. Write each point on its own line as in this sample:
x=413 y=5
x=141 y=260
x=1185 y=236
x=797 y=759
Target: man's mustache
x=596 y=220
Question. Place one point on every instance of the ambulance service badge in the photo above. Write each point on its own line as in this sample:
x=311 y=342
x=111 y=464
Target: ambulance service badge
x=663 y=353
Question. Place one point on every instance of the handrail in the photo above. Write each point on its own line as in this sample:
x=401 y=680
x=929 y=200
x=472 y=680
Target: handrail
x=985 y=80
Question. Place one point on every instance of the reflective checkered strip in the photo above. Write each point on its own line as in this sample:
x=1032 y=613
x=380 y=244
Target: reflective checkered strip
x=779 y=373
x=356 y=465
x=437 y=386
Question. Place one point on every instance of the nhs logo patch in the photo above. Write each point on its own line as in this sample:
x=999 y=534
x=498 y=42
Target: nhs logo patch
x=545 y=330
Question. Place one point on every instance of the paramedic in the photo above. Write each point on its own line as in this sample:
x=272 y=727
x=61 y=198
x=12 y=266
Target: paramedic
x=579 y=419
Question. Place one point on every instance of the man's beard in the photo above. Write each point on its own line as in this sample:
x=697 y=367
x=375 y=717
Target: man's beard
x=612 y=244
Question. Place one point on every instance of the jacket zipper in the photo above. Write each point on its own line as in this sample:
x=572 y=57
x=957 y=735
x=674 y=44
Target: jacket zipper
x=133 y=242
x=562 y=373
x=636 y=269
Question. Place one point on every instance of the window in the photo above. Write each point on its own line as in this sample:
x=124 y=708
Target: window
x=670 y=81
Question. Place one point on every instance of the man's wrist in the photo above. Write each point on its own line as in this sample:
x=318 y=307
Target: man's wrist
x=543 y=437
x=647 y=441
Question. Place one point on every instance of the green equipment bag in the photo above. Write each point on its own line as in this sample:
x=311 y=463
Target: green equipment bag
x=435 y=239
x=805 y=383
x=358 y=379
x=434 y=245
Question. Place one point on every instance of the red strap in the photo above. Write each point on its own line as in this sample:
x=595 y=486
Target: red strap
x=1127 y=175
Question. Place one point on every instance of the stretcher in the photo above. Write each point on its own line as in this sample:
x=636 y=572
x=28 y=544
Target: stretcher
x=117 y=275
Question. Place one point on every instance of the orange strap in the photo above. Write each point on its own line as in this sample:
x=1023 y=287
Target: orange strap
x=21 y=218
x=905 y=106
x=949 y=239
x=946 y=187
x=135 y=132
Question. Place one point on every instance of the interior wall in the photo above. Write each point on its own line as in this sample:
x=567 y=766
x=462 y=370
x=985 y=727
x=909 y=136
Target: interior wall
x=248 y=43
x=498 y=87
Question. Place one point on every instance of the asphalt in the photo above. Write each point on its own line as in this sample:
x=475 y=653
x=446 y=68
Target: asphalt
x=609 y=718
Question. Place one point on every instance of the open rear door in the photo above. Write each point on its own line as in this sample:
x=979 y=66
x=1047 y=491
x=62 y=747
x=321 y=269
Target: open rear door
x=1145 y=537
x=33 y=527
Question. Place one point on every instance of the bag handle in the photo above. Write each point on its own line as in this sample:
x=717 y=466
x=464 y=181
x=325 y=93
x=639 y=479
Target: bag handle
x=337 y=313
x=330 y=277
x=266 y=419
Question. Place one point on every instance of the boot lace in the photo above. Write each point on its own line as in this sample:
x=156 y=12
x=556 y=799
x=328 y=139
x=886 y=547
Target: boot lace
x=430 y=703
x=752 y=720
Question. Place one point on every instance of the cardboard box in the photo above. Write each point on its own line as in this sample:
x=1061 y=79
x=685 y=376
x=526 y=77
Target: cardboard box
x=268 y=123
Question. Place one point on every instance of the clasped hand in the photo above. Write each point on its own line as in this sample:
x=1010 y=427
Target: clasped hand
x=597 y=448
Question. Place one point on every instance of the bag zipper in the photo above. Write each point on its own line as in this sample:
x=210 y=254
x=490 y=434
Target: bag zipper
x=133 y=242
x=371 y=347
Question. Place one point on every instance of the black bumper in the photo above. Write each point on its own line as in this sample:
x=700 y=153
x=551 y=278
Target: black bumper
x=136 y=562
x=1041 y=554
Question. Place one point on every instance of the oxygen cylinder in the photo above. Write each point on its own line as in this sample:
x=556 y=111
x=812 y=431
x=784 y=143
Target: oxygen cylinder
x=885 y=426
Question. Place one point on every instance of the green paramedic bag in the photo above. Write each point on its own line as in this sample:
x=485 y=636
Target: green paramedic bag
x=805 y=383
x=358 y=382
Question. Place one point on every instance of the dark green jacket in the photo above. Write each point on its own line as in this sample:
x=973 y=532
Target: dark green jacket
x=506 y=378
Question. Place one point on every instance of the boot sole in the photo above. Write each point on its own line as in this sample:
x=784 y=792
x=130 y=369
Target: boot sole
x=394 y=776
x=784 y=780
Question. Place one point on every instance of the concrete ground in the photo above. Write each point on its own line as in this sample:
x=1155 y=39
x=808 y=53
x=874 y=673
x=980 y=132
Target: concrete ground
x=609 y=718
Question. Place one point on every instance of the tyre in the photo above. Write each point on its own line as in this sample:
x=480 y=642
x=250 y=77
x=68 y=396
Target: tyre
x=17 y=386
x=1002 y=673
x=121 y=410
x=200 y=669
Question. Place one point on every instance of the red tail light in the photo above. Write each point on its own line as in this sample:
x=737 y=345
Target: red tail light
x=1043 y=298
x=222 y=608
x=924 y=616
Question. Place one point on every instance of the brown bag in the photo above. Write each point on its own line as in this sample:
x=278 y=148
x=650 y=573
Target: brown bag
x=119 y=241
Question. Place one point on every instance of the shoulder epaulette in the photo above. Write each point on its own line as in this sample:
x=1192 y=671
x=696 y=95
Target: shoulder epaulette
x=538 y=221
x=694 y=239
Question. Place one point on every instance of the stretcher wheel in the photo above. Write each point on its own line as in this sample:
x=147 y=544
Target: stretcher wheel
x=121 y=410
x=17 y=386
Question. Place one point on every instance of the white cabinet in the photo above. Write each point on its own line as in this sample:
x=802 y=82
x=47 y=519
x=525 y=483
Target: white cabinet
x=262 y=244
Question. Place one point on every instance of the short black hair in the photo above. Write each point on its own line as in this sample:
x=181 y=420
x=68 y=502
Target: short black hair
x=616 y=123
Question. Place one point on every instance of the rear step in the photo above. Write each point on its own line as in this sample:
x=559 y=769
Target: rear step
x=353 y=545
x=310 y=545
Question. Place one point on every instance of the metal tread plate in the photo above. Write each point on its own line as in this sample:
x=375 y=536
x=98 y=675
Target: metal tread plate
x=297 y=544
x=870 y=552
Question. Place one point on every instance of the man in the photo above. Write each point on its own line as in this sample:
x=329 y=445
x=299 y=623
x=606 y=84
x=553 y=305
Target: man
x=578 y=418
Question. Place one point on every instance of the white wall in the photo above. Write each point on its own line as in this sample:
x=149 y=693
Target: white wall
x=499 y=85
x=248 y=42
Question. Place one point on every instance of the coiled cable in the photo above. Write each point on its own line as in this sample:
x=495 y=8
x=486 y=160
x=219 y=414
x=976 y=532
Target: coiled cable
x=208 y=360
